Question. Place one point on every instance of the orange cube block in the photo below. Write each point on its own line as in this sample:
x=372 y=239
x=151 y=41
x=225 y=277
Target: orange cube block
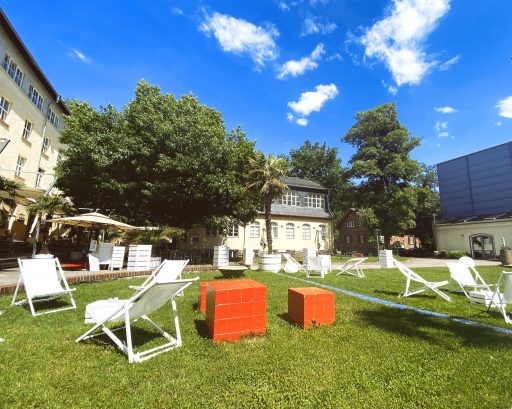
x=235 y=308
x=201 y=301
x=311 y=306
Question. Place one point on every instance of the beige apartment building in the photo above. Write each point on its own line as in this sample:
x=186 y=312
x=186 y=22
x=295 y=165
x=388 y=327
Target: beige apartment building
x=300 y=219
x=31 y=117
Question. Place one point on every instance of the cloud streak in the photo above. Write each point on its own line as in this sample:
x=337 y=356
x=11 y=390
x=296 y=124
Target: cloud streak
x=313 y=101
x=76 y=53
x=505 y=108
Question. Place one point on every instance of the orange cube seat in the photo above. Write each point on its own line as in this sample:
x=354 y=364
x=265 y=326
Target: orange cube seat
x=201 y=301
x=235 y=308
x=311 y=306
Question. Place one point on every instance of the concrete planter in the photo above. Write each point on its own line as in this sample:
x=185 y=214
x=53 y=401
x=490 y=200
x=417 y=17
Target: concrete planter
x=270 y=262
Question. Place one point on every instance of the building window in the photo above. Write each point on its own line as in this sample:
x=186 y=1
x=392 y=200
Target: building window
x=254 y=230
x=315 y=200
x=53 y=118
x=351 y=223
x=46 y=145
x=12 y=69
x=4 y=108
x=27 y=129
x=275 y=230
x=362 y=239
x=233 y=231
x=290 y=231
x=20 y=164
x=323 y=231
x=209 y=231
x=306 y=232
x=290 y=198
x=35 y=97
x=348 y=239
x=39 y=177
x=411 y=240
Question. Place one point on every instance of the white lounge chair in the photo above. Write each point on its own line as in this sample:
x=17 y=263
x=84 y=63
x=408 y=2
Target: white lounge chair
x=501 y=299
x=117 y=258
x=470 y=263
x=292 y=265
x=140 y=305
x=460 y=273
x=353 y=267
x=168 y=270
x=316 y=265
x=43 y=280
x=426 y=285
x=139 y=257
x=94 y=262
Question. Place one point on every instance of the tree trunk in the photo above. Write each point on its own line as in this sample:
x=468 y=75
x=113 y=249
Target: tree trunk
x=268 y=226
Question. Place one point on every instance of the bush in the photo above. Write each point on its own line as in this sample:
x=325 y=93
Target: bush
x=455 y=254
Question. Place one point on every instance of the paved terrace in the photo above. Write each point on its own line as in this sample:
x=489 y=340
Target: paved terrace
x=9 y=277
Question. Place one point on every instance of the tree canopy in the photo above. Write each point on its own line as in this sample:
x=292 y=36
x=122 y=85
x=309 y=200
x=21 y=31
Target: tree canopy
x=385 y=176
x=161 y=160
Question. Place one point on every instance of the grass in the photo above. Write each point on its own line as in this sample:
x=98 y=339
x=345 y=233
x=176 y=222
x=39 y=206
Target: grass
x=373 y=356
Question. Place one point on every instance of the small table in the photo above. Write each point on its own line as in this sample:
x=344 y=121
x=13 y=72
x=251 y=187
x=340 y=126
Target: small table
x=311 y=306
x=235 y=308
x=232 y=271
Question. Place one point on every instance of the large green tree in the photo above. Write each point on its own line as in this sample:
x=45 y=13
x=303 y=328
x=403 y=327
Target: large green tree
x=320 y=164
x=161 y=160
x=384 y=173
x=265 y=181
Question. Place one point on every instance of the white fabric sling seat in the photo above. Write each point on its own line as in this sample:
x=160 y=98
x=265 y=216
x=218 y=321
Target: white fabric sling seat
x=292 y=265
x=144 y=302
x=316 y=265
x=168 y=270
x=501 y=299
x=460 y=273
x=43 y=280
x=353 y=267
x=426 y=285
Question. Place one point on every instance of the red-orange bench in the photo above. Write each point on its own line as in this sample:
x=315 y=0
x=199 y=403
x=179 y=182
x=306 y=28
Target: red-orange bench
x=310 y=306
x=235 y=308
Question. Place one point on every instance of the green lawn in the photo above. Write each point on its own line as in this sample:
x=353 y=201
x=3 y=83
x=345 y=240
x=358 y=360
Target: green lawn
x=372 y=357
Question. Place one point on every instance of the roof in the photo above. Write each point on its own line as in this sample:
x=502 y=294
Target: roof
x=299 y=211
x=298 y=182
x=15 y=38
x=482 y=218
x=474 y=153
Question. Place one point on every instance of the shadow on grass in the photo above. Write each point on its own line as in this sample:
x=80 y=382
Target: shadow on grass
x=434 y=330
x=285 y=317
x=202 y=329
x=47 y=306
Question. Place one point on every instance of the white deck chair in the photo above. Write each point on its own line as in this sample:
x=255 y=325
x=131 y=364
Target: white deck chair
x=427 y=285
x=168 y=270
x=501 y=299
x=140 y=305
x=316 y=265
x=43 y=280
x=117 y=259
x=459 y=272
x=94 y=263
x=292 y=262
x=353 y=267
x=468 y=261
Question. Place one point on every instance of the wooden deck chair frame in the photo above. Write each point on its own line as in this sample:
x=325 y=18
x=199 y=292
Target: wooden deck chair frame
x=355 y=265
x=426 y=285
x=316 y=265
x=159 y=293
x=460 y=273
x=290 y=259
x=503 y=297
x=60 y=285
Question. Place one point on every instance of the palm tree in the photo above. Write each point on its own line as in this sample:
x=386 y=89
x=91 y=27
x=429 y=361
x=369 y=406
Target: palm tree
x=10 y=187
x=265 y=180
x=45 y=207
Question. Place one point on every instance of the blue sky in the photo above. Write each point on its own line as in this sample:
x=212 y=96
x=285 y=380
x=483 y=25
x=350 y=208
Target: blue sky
x=291 y=70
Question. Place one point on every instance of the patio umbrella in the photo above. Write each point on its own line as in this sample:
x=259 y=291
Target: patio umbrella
x=93 y=221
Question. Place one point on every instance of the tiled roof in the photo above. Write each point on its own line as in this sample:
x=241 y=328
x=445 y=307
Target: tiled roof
x=299 y=211
x=298 y=182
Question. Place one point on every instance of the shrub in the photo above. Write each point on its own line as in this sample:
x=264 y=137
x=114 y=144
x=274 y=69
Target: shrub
x=451 y=254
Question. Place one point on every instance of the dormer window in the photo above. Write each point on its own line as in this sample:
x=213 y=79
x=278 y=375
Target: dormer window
x=290 y=198
x=315 y=200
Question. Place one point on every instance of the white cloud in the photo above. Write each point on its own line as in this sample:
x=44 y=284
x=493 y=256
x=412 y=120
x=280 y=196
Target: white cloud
x=445 y=110
x=317 y=25
x=177 y=11
x=76 y=53
x=498 y=123
x=448 y=64
x=302 y=121
x=313 y=101
x=289 y=116
x=440 y=125
x=299 y=67
x=397 y=39
x=240 y=36
x=438 y=145
x=391 y=88
x=283 y=6
x=443 y=134
x=505 y=107
x=335 y=56
x=317 y=2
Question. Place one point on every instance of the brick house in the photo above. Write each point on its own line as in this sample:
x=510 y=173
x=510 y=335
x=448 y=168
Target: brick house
x=354 y=237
